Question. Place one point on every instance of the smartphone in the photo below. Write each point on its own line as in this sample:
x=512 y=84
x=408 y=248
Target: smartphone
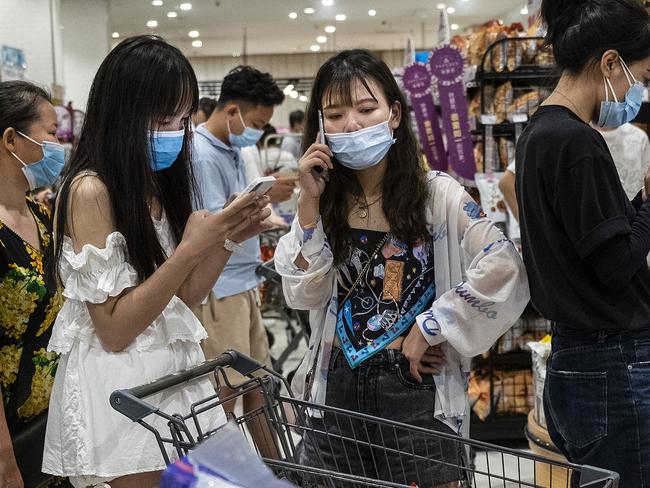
x=261 y=185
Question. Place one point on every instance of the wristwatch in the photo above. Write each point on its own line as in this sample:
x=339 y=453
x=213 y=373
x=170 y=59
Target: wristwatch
x=232 y=246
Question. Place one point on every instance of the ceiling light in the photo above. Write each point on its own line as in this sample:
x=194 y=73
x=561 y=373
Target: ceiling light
x=341 y=17
x=309 y=10
x=289 y=88
x=185 y=6
x=330 y=29
x=315 y=48
x=193 y=34
x=152 y=24
x=172 y=15
x=157 y=3
x=451 y=10
x=303 y=98
x=524 y=11
x=293 y=15
x=327 y=3
x=372 y=13
x=116 y=35
x=454 y=27
x=441 y=6
x=321 y=39
x=293 y=94
x=197 y=43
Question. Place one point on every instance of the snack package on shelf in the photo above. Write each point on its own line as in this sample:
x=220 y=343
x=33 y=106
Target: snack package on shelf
x=528 y=103
x=488 y=187
x=497 y=60
x=506 y=152
x=541 y=350
x=503 y=98
x=478 y=157
x=477 y=45
x=478 y=391
x=474 y=110
x=515 y=49
x=462 y=43
x=513 y=392
x=525 y=330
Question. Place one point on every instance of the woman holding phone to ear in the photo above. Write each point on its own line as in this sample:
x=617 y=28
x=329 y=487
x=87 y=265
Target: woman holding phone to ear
x=404 y=277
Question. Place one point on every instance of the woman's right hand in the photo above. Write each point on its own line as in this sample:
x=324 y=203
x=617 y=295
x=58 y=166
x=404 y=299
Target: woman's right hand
x=313 y=184
x=204 y=230
x=10 y=476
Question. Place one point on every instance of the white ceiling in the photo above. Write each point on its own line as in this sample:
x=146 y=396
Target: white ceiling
x=221 y=23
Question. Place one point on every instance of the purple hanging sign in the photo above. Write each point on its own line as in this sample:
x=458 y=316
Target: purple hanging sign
x=416 y=80
x=446 y=64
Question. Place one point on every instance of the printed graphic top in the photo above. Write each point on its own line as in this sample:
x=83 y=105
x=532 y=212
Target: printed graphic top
x=397 y=286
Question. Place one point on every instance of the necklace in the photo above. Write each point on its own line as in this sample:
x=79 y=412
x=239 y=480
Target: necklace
x=571 y=102
x=363 y=209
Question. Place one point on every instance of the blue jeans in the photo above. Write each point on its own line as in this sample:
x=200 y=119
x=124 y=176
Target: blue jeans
x=597 y=404
x=382 y=386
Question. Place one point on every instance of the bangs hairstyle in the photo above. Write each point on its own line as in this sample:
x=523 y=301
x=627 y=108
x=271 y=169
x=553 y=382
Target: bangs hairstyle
x=142 y=82
x=404 y=187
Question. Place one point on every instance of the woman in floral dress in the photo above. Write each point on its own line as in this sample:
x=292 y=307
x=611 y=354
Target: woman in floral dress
x=29 y=157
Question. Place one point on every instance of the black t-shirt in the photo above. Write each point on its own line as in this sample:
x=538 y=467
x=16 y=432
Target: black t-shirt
x=584 y=242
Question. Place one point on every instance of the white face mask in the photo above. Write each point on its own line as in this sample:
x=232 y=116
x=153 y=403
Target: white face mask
x=363 y=148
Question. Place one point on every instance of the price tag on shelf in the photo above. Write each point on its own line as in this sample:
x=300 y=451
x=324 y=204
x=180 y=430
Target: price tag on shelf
x=488 y=119
x=518 y=118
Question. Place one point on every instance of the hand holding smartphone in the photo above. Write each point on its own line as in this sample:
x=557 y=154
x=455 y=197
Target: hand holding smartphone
x=261 y=185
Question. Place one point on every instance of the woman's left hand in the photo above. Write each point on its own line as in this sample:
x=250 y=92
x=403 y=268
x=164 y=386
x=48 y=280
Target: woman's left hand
x=423 y=358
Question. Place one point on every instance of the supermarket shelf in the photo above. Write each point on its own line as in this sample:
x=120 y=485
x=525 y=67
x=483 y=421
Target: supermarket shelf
x=497 y=428
x=505 y=129
x=540 y=76
x=505 y=361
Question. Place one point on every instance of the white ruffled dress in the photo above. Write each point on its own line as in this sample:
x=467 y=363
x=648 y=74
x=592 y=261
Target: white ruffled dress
x=86 y=439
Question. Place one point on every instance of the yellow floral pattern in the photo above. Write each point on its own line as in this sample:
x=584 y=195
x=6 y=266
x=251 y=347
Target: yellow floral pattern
x=9 y=362
x=28 y=308
x=20 y=291
x=56 y=302
x=45 y=368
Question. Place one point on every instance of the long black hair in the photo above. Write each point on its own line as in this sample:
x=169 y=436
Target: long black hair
x=142 y=81
x=405 y=191
x=581 y=31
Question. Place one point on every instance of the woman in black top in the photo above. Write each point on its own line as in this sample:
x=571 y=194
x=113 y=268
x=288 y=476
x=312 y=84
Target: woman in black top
x=585 y=243
x=30 y=156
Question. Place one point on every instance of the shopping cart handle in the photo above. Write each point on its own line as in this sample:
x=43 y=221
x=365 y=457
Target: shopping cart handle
x=592 y=477
x=129 y=403
x=267 y=270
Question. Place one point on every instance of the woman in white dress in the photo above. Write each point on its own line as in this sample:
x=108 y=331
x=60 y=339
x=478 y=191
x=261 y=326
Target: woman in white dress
x=133 y=259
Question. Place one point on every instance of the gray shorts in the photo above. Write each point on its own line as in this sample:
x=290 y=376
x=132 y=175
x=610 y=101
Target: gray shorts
x=382 y=387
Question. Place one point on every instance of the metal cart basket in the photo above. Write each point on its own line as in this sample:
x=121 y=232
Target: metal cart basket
x=293 y=424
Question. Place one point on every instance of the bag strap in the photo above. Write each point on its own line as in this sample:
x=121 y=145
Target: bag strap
x=364 y=271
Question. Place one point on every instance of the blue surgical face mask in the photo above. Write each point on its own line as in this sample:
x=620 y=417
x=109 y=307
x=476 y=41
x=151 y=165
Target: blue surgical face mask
x=249 y=137
x=166 y=146
x=614 y=114
x=364 y=148
x=45 y=171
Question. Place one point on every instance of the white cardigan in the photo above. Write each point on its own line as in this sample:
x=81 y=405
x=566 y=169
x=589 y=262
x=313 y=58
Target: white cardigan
x=481 y=290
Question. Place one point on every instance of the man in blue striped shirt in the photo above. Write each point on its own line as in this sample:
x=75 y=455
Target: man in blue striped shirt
x=231 y=314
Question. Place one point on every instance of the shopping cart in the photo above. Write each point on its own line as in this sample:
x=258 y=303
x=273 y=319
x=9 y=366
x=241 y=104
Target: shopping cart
x=292 y=424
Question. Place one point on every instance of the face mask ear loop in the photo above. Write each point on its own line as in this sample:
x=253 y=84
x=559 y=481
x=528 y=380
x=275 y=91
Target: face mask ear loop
x=628 y=73
x=609 y=83
x=21 y=161
x=29 y=138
